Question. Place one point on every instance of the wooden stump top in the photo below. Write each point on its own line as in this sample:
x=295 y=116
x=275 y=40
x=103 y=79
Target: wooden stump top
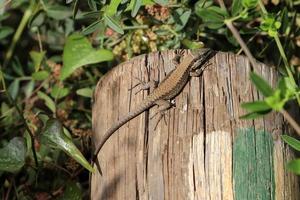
x=202 y=150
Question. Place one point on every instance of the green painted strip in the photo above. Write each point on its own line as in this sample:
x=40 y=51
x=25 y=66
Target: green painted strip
x=253 y=165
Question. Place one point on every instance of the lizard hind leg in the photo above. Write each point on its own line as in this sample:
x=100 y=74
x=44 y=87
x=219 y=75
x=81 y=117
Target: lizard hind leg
x=163 y=105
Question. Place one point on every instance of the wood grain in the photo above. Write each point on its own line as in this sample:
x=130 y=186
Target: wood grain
x=190 y=155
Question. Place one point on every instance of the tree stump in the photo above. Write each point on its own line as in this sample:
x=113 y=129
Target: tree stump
x=202 y=150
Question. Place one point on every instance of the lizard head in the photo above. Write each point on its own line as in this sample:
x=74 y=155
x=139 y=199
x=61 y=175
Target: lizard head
x=201 y=56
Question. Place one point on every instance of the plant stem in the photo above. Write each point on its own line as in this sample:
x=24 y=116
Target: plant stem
x=242 y=44
x=262 y=7
x=18 y=34
x=136 y=27
x=292 y=122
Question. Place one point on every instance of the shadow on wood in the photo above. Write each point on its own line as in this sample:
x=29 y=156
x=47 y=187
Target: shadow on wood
x=203 y=150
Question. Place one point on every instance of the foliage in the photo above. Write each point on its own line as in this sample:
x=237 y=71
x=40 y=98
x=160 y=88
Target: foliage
x=55 y=51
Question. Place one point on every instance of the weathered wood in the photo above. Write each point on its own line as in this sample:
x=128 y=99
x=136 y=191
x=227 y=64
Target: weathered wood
x=203 y=150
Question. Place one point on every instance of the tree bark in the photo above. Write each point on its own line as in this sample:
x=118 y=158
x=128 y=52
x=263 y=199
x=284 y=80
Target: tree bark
x=201 y=150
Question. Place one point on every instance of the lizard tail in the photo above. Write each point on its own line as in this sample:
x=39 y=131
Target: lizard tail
x=120 y=123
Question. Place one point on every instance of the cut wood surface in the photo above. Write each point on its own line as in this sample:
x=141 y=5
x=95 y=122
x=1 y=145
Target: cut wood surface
x=202 y=150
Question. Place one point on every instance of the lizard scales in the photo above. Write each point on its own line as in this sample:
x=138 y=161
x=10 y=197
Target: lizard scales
x=169 y=88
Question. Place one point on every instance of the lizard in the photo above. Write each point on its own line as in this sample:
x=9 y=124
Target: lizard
x=191 y=64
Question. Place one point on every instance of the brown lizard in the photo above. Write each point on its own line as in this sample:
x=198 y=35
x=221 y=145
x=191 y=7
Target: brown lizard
x=191 y=64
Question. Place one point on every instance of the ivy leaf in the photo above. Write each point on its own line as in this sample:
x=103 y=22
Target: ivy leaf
x=12 y=156
x=78 y=52
x=54 y=136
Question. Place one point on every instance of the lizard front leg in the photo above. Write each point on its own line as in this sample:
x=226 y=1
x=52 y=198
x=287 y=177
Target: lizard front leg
x=197 y=72
x=144 y=85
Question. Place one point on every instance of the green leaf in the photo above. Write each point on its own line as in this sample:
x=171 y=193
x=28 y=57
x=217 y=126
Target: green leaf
x=254 y=115
x=59 y=92
x=92 y=27
x=13 y=88
x=28 y=89
x=112 y=8
x=203 y=4
x=270 y=25
x=275 y=101
x=192 y=44
x=75 y=9
x=136 y=6
x=261 y=85
x=236 y=7
x=72 y=191
x=144 y=2
x=48 y=101
x=12 y=156
x=17 y=67
x=78 y=52
x=181 y=18
x=40 y=75
x=287 y=87
x=161 y=2
x=294 y=166
x=213 y=16
x=86 y=92
x=249 y=4
x=58 y=12
x=113 y=24
x=37 y=58
x=256 y=106
x=293 y=142
x=5 y=31
x=54 y=136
